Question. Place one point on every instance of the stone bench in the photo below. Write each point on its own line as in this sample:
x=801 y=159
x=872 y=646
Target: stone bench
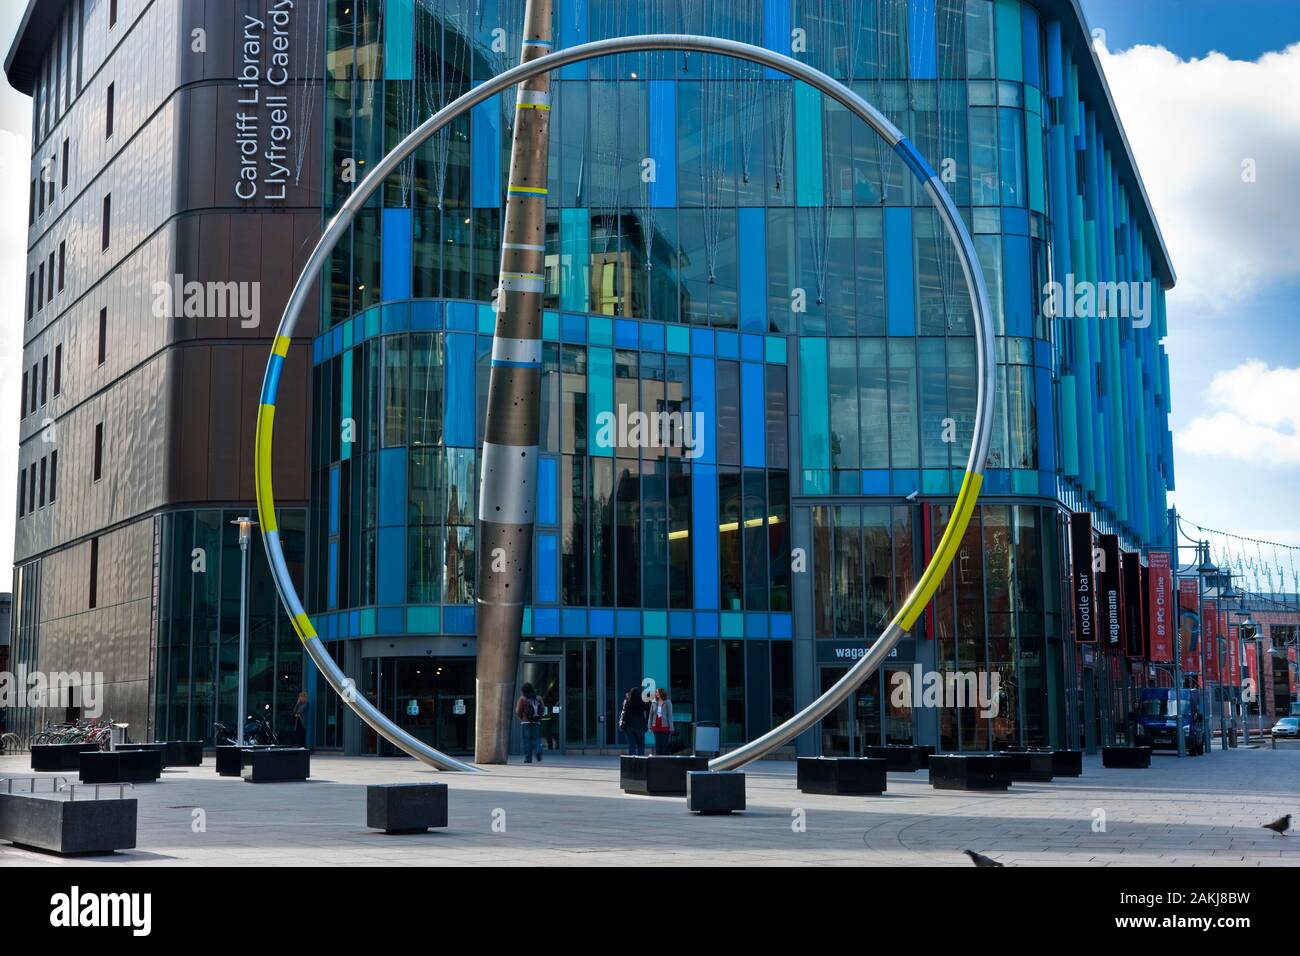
x=120 y=766
x=658 y=776
x=710 y=793
x=1065 y=763
x=406 y=807
x=970 y=772
x=230 y=760
x=1130 y=757
x=184 y=753
x=276 y=764
x=66 y=826
x=160 y=748
x=1029 y=765
x=902 y=758
x=56 y=757
x=841 y=775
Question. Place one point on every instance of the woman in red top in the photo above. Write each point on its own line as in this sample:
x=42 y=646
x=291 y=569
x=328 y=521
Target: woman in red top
x=660 y=722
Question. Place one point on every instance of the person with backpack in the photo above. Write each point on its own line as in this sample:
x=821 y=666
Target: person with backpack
x=530 y=710
x=660 y=722
x=632 y=722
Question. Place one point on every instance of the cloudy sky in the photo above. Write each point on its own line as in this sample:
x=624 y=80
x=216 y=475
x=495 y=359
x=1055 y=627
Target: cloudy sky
x=1204 y=89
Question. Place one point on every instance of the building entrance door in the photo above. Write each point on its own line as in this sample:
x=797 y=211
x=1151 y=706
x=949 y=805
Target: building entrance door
x=431 y=698
x=546 y=674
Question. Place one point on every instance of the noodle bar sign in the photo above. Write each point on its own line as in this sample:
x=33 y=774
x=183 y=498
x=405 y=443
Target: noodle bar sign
x=263 y=127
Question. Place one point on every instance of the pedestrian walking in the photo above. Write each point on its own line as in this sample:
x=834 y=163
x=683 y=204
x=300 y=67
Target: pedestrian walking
x=530 y=709
x=300 y=711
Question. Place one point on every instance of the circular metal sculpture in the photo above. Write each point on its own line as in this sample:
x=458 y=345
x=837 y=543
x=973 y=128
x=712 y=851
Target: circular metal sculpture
x=915 y=603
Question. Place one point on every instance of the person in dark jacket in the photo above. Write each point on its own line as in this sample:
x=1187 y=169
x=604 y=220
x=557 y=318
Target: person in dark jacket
x=632 y=722
x=530 y=710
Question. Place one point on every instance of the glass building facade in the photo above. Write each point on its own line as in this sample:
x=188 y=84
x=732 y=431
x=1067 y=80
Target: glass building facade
x=724 y=244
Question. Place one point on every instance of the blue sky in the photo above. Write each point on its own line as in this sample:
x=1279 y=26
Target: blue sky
x=1201 y=86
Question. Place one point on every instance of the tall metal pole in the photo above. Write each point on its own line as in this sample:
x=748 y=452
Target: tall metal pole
x=508 y=467
x=1178 y=641
x=245 y=529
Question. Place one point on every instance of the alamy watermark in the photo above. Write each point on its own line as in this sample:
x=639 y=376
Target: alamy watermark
x=24 y=688
x=922 y=688
x=1099 y=300
x=636 y=429
x=208 y=300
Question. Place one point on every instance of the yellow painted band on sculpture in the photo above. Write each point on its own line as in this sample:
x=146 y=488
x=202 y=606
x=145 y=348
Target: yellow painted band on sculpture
x=533 y=106
x=262 y=468
x=302 y=624
x=948 y=545
x=531 y=190
x=281 y=346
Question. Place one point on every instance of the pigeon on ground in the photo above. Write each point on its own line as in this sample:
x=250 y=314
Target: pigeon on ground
x=979 y=859
x=1280 y=825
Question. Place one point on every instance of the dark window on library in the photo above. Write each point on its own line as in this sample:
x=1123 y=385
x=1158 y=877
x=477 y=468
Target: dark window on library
x=103 y=334
x=94 y=572
x=22 y=492
x=40 y=287
x=112 y=13
x=49 y=277
x=31 y=488
x=54 y=475
x=31 y=294
x=22 y=398
x=108 y=216
x=99 y=452
x=63 y=254
x=58 y=369
x=63 y=183
x=108 y=113
x=31 y=405
x=45 y=379
x=41 y=497
x=31 y=204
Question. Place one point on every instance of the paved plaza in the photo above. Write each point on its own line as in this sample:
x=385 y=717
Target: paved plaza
x=570 y=810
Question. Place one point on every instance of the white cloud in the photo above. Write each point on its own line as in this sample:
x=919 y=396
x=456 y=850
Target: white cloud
x=1253 y=415
x=1192 y=123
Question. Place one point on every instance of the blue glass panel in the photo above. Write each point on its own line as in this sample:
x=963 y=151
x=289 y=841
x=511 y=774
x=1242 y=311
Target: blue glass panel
x=751 y=348
x=392 y=620
x=458 y=619
x=600 y=402
x=395 y=260
x=1055 y=84
x=459 y=395
x=392 y=486
x=333 y=584
x=601 y=622
x=701 y=342
x=546 y=502
x=546 y=620
x=681 y=624
x=875 y=481
x=753 y=269
x=462 y=316
x=921 y=40
x=662 y=108
x=573 y=328
x=1029 y=33
x=814 y=420
x=426 y=316
x=704 y=535
x=626 y=335
x=334 y=499
x=704 y=403
x=755 y=625
x=652 y=336
x=899 y=277
x=782 y=626
x=629 y=622
x=728 y=345
x=546 y=557
x=906 y=481
x=706 y=624
x=776 y=32
x=1017 y=287
x=753 y=407
x=485 y=155
x=571 y=20
x=573 y=622
x=399 y=18
x=390 y=566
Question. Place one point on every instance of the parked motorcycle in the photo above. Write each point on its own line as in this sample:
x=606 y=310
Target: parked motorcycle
x=257 y=731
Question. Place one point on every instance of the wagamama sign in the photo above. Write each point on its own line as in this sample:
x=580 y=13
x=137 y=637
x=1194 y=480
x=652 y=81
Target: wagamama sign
x=263 y=124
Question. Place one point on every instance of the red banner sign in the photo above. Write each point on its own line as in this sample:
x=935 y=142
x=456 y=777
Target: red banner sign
x=1189 y=627
x=1160 y=631
x=1234 y=655
x=1210 y=638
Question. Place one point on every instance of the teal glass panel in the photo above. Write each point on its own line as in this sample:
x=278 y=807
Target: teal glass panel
x=1010 y=40
x=814 y=422
x=808 y=145
x=575 y=259
x=601 y=419
x=399 y=18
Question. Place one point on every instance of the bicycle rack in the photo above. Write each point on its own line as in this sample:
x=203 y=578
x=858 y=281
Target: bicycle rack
x=61 y=785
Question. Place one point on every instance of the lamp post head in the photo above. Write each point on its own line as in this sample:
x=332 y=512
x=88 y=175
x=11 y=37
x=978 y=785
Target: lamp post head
x=245 y=525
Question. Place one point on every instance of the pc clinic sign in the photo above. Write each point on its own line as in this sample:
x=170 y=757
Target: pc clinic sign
x=1082 y=585
x=1159 y=619
x=263 y=125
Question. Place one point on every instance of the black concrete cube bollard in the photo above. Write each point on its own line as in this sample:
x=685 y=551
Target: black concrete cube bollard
x=902 y=758
x=1029 y=765
x=276 y=765
x=121 y=766
x=1130 y=757
x=184 y=753
x=67 y=826
x=406 y=807
x=1065 y=763
x=658 y=776
x=230 y=758
x=926 y=752
x=160 y=748
x=710 y=793
x=841 y=775
x=55 y=757
x=970 y=772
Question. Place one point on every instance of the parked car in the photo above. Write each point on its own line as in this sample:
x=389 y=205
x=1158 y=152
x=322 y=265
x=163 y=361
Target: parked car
x=1287 y=727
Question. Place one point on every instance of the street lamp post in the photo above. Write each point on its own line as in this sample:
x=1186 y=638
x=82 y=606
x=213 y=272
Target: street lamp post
x=245 y=525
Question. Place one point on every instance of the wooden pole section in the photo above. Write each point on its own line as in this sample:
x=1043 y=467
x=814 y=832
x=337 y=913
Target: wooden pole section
x=508 y=464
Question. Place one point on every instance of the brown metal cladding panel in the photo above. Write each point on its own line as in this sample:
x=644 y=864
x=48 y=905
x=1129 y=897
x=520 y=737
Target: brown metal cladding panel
x=192 y=421
x=246 y=245
x=224 y=432
x=276 y=273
